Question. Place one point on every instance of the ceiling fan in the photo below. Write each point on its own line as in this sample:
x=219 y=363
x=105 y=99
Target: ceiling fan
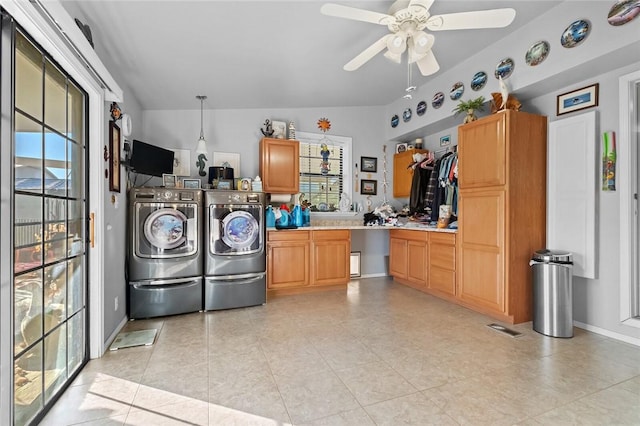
x=407 y=21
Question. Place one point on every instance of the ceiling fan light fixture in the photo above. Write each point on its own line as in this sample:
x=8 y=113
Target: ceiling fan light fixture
x=422 y=42
x=397 y=43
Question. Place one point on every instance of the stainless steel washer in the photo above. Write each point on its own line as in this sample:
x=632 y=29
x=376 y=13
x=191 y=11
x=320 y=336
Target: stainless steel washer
x=165 y=256
x=235 y=253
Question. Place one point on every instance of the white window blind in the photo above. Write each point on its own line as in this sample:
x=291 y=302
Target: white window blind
x=322 y=184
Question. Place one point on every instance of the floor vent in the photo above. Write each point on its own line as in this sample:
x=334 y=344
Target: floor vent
x=505 y=330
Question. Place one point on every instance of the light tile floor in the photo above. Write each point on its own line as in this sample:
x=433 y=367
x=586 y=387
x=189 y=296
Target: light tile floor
x=378 y=354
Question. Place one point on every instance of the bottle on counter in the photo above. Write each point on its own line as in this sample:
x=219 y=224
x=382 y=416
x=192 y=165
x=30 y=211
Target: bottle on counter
x=296 y=215
x=306 y=216
x=270 y=217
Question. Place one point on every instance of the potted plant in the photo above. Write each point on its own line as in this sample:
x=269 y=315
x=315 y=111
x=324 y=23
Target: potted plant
x=470 y=107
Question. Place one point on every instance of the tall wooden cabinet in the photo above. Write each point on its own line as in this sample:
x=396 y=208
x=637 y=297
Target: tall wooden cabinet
x=402 y=176
x=280 y=166
x=502 y=211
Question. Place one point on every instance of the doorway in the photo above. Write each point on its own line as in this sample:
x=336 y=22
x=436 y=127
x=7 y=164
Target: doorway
x=629 y=185
x=45 y=214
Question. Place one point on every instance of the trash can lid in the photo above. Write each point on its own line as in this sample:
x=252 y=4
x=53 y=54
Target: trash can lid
x=547 y=255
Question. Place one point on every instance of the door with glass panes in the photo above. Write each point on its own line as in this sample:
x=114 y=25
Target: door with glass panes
x=47 y=211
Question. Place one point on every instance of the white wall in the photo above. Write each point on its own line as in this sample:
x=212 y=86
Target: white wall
x=115 y=224
x=597 y=302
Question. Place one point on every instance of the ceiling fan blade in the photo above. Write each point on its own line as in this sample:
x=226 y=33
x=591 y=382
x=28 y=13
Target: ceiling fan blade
x=367 y=54
x=428 y=64
x=493 y=18
x=340 y=11
x=419 y=7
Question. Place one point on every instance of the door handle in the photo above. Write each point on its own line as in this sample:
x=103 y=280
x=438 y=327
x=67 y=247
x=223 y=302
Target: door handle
x=92 y=229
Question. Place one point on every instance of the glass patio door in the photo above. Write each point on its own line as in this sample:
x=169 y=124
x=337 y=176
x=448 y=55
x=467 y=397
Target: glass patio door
x=48 y=215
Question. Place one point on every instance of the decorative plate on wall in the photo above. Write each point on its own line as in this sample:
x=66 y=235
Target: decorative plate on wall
x=537 y=53
x=479 y=80
x=437 y=100
x=395 y=120
x=623 y=11
x=456 y=91
x=504 y=68
x=421 y=108
x=406 y=115
x=575 y=33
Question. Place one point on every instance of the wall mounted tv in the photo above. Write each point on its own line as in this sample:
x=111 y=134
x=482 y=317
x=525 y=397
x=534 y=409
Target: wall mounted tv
x=150 y=160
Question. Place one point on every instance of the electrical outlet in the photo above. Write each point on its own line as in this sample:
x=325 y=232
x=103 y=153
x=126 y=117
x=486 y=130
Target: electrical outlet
x=115 y=303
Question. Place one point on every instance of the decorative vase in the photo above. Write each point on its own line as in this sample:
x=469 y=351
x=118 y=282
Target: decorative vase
x=470 y=117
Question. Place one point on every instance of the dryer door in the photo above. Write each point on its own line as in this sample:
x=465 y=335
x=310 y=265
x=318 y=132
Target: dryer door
x=166 y=230
x=235 y=229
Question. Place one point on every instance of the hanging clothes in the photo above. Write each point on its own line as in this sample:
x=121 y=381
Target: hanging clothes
x=422 y=169
x=445 y=185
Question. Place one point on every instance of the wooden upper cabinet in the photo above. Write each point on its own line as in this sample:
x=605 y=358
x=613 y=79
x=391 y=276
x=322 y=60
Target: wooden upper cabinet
x=280 y=166
x=482 y=146
x=402 y=176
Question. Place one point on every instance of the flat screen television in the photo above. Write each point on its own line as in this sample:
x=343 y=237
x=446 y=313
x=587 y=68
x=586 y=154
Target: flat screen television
x=150 y=160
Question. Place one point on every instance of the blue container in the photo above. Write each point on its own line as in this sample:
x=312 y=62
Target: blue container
x=285 y=219
x=297 y=215
x=270 y=217
x=306 y=217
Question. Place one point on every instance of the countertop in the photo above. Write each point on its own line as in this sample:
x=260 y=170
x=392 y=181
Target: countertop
x=411 y=227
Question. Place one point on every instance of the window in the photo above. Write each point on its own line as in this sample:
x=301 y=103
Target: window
x=325 y=169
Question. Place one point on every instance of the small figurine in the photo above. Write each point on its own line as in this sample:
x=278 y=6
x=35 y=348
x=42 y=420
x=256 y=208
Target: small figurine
x=292 y=131
x=200 y=164
x=345 y=203
x=325 y=166
x=268 y=129
x=116 y=112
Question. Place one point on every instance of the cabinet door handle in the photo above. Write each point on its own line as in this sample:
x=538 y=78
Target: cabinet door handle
x=92 y=229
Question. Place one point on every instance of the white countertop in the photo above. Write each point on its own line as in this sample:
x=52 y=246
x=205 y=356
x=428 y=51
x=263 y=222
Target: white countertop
x=369 y=228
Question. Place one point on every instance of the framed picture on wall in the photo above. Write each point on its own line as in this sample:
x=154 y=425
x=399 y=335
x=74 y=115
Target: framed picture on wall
x=368 y=187
x=369 y=164
x=114 y=157
x=576 y=100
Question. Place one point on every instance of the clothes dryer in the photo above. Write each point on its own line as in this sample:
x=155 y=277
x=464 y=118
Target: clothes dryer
x=235 y=253
x=165 y=256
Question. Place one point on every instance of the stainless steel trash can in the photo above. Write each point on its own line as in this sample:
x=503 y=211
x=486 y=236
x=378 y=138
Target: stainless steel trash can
x=552 y=292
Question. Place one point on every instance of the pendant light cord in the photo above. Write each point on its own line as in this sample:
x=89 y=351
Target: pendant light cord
x=202 y=98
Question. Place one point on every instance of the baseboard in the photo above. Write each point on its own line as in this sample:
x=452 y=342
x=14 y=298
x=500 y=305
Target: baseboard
x=113 y=335
x=608 y=333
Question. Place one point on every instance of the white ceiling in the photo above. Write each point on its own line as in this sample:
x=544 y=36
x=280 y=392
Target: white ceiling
x=266 y=54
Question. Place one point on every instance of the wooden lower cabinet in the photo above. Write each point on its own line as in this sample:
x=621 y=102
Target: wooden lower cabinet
x=331 y=257
x=288 y=259
x=299 y=261
x=405 y=245
x=397 y=255
x=442 y=263
x=425 y=260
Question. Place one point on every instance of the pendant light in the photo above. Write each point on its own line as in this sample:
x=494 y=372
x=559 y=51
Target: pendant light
x=201 y=147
